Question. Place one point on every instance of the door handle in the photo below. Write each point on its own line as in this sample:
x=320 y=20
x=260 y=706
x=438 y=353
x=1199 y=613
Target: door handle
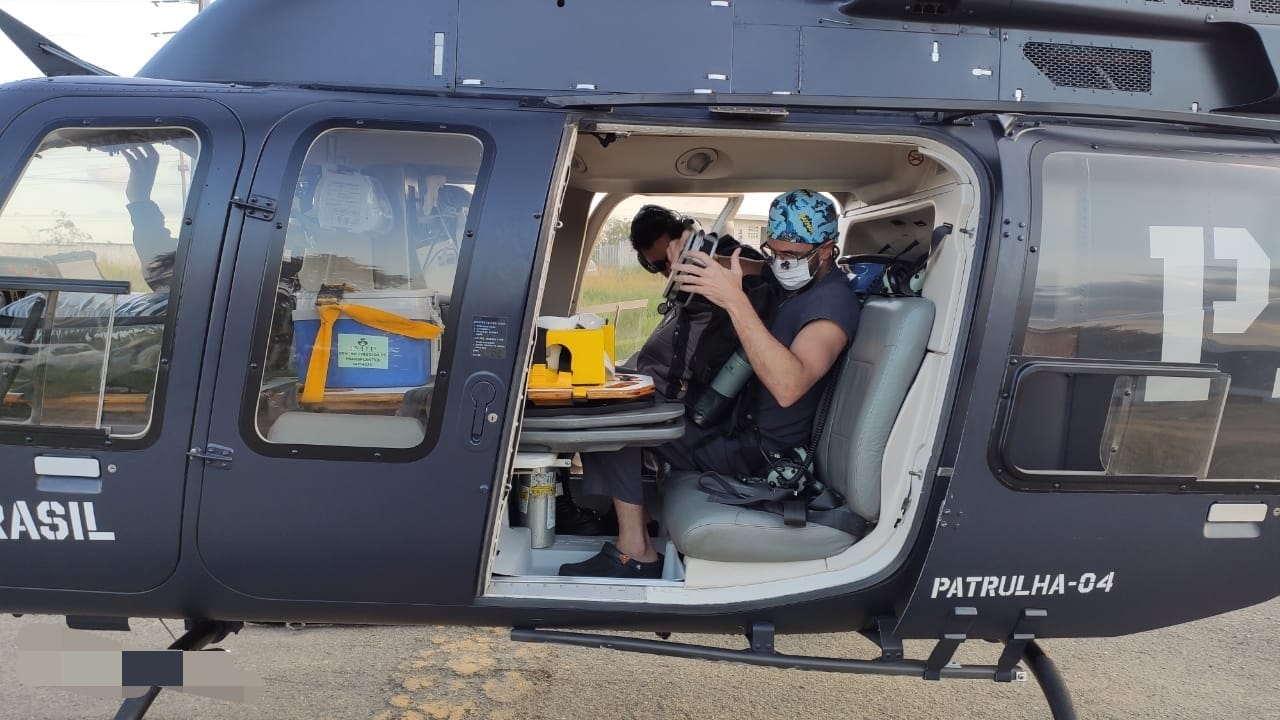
x=482 y=396
x=482 y=413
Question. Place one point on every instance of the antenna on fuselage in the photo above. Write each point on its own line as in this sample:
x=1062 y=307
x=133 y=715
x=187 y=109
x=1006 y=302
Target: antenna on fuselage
x=48 y=57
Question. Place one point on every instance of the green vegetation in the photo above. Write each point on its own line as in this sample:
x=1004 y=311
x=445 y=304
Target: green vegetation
x=64 y=231
x=131 y=272
x=613 y=285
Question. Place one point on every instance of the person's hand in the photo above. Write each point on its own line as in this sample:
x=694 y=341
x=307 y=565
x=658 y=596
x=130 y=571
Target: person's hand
x=673 y=252
x=143 y=161
x=713 y=281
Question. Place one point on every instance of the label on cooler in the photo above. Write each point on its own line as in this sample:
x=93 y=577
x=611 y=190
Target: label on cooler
x=363 y=351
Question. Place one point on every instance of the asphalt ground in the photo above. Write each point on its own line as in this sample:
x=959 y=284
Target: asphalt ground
x=1222 y=667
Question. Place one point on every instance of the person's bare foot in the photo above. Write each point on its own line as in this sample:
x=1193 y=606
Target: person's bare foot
x=633 y=532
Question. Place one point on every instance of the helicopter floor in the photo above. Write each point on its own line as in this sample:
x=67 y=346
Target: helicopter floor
x=518 y=562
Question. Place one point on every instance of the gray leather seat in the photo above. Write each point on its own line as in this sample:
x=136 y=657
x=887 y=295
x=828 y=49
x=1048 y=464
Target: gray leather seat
x=879 y=368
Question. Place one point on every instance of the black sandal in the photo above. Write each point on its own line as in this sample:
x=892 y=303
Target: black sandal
x=612 y=563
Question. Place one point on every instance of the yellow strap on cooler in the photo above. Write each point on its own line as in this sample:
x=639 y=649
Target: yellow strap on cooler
x=318 y=366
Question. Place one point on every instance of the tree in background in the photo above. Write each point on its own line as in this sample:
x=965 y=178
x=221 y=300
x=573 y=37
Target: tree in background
x=64 y=231
x=613 y=247
x=616 y=231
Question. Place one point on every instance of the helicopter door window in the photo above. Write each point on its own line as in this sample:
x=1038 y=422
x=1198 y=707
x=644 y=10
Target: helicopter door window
x=365 y=279
x=88 y=241
x=1167 y=261
x=1116 y=424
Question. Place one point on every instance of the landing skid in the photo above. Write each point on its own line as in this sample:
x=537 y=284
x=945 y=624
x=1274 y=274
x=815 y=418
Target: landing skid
x=199 y=635
x=891 y=662
x=1051 y=682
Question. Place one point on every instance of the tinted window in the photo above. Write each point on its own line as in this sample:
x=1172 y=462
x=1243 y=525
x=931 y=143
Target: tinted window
x=1166 y=260
x=88 y=241
x=371 y=253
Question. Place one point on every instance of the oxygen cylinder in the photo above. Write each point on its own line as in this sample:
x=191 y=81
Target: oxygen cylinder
x=717 y=398
x=536 y=492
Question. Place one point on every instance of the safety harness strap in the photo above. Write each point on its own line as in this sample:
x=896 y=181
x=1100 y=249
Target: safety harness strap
x=679 y=345
x=824 y=507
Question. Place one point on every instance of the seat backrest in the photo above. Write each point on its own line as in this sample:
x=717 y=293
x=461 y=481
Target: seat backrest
x=878 y=369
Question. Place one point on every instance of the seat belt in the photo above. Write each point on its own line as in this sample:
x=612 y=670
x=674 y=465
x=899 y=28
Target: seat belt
x=826 y=508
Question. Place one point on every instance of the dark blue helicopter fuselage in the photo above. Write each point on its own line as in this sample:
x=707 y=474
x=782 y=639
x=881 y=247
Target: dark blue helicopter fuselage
x=402 y=535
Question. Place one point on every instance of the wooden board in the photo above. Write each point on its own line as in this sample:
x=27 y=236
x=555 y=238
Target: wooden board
x=623 y=387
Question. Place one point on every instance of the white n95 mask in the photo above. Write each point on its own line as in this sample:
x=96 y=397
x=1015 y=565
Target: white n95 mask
x=795 y=276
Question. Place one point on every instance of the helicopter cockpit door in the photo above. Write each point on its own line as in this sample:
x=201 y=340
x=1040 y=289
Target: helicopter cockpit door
x=1118 y=468
x=375 y=326
x=110 y=203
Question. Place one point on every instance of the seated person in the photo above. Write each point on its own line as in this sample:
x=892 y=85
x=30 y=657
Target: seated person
x=669 y=354
x=654 y=228
x=792 y=358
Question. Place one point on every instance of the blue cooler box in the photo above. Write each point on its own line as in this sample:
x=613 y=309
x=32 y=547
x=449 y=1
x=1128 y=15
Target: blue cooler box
x=365 y=357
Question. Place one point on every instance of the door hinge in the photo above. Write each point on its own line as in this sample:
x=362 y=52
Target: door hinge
x=218 y=455
x=257 y=207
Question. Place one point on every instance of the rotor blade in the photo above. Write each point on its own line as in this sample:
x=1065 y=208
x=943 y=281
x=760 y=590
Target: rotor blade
x=47 y=56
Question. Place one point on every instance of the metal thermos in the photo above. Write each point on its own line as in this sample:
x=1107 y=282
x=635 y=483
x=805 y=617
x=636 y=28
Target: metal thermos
x=536 y=505
x=717 y=398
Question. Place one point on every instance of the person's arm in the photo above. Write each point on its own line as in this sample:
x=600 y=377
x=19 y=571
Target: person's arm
x=787 y=372
x=151 y=239
x=143 y=162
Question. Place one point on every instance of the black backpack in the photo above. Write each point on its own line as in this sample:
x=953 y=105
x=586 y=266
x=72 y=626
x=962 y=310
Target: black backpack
x=718 y=340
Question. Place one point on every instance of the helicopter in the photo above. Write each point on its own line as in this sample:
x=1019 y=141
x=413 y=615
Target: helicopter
x=1059 y=423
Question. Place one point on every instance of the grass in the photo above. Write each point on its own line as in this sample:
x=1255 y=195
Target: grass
x=611 y=285
x=119 y=271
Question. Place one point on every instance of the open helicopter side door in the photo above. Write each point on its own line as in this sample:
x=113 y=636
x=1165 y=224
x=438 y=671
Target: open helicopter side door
x=1118 y=468
x=374 y=341
x=111 y=205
